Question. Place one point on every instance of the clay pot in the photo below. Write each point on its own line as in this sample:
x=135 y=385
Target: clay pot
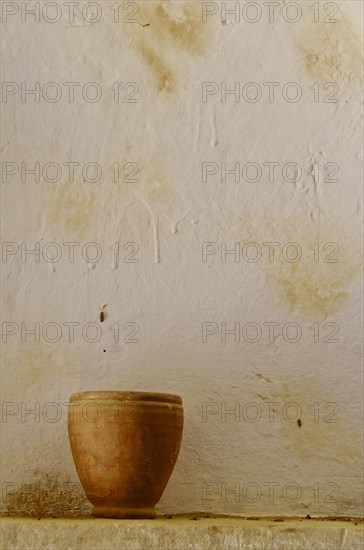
x=125 y=446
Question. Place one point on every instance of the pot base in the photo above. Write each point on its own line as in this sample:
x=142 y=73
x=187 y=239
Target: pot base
x=123 y=513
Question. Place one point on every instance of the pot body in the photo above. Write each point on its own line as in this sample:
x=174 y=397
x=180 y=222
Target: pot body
x=125 y=446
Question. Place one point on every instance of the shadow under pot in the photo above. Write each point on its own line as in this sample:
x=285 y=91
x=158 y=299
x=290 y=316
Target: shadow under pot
x=125 y=446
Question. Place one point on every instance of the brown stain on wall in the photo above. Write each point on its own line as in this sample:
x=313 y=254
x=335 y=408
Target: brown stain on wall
x=313 y=290
x=158 y=190
x=331 y=52
x=101 y=211
x=326 y=430
x=44 y=496
x=186 y=31
x=166 y=31
x=70 y=205
x=33 y=365
x=166 y=80
x=136 y=227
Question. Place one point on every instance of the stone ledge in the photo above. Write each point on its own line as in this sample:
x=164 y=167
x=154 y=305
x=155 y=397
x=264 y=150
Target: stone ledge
x=180 y=533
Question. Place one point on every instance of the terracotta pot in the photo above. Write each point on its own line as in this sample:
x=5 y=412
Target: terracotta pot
x=125 y=446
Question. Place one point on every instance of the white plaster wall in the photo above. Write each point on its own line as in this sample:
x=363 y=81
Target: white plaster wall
x=228 y=464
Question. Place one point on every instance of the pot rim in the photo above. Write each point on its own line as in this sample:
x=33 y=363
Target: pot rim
x=126 y=396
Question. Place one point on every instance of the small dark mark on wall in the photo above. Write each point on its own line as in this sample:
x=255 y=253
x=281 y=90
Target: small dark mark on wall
x=102 y=314
x=308 y=516
x=299 y=422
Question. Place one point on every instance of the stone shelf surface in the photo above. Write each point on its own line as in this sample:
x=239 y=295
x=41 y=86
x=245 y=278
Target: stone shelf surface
x=180 y=533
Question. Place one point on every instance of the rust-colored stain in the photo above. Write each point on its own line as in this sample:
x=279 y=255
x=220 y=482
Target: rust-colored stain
x=313 y=289
x=166 y=80
x=70 y=206
x=186 y=32
x=35 y=366
x=78 y=209
x=332 y=51
x=136 y=225
x=30 y=365
x=158 y=189
x=45 y=496
x=326 y=428
x=167 y=31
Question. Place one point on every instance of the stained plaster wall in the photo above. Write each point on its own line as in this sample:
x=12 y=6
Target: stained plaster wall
x=246 y=449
